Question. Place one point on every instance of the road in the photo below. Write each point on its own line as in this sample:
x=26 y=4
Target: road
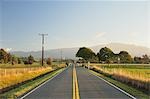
x=58 y=88
x=90 y=87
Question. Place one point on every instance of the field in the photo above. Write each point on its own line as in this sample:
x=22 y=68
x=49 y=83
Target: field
x=12 y=76
x=19 y=65
x=15 y=74
x=134 y=75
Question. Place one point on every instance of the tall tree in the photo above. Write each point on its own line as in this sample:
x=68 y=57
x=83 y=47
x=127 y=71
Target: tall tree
x=20 y=61
x=14 y=60
x=125 y=57
x=137 y=60
x=85 y=53
x=30 y=59
x=3 y=56
x=105 y=54
x=9 y=57
x=49 y=61
x=145 y=59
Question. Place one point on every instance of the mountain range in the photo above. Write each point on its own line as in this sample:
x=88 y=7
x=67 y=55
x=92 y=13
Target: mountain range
x=69 y=53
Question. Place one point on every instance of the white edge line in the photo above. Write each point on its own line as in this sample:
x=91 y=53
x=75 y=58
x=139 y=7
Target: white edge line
x=40 y=85
x=114 y=86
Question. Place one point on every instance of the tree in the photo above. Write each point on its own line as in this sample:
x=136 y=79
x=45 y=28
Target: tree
x=24 y=60
x=14 y=60
x=137 y=60
x=20 y=61
x=125 y=57
x=49 y=61
x=142 y=60
x=86 y=53
x=145 y=59
x=30 y=59
x=105 y=54
x=9 y=57
x=3 y=56
x=94 y=59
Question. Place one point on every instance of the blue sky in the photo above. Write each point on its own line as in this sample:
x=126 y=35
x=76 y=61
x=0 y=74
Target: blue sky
x=73 y=23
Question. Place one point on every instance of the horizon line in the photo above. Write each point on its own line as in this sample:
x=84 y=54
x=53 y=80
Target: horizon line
x=78 y=47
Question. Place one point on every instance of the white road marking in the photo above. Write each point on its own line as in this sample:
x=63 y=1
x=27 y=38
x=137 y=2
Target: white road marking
x=114 y=86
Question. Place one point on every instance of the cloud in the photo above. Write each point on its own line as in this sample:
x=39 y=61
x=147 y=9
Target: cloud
x=8 y=49
x=100 y=34
x=133 y=34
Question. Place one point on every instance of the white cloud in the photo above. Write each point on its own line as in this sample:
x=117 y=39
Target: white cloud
x=100 y=34
x=134 y=34
x=8 y=49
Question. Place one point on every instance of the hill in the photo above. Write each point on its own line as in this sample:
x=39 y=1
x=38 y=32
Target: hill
x=70 y=52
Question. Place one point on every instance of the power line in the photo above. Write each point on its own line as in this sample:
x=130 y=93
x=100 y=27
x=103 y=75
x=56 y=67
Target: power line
x=43 y=47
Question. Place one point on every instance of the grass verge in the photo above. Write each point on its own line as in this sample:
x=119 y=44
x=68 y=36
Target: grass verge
x=136 y=93
x=17 y=92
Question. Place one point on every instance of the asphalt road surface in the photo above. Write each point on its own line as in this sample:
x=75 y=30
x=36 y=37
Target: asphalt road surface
x=91 y=87
x=58 y=88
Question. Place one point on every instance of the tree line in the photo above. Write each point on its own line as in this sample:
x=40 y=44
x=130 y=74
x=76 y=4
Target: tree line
x=6 y=57
x=106 y=55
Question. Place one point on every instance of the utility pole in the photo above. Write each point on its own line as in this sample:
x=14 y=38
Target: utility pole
x=43 y=47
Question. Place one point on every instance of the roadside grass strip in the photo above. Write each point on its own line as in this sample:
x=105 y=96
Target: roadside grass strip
x=22 y=90
x=128 y=90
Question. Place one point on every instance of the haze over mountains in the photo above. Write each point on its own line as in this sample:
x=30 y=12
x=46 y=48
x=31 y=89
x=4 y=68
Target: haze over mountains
x=69 y=53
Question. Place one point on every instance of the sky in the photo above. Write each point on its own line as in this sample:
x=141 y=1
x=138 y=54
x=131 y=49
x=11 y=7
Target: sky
x=73 y=23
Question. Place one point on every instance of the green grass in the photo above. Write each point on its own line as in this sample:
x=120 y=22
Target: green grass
x=131 y=66
x=133 y=91
x=136 y=75
x=13 y=94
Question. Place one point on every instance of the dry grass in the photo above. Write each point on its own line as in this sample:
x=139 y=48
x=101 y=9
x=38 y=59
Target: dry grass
x=19 y=65
x=137 y=76
x=12 y=76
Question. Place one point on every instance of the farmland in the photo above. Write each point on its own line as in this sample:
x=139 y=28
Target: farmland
x=19 y=65
x=134 y=75
x=11 y=75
